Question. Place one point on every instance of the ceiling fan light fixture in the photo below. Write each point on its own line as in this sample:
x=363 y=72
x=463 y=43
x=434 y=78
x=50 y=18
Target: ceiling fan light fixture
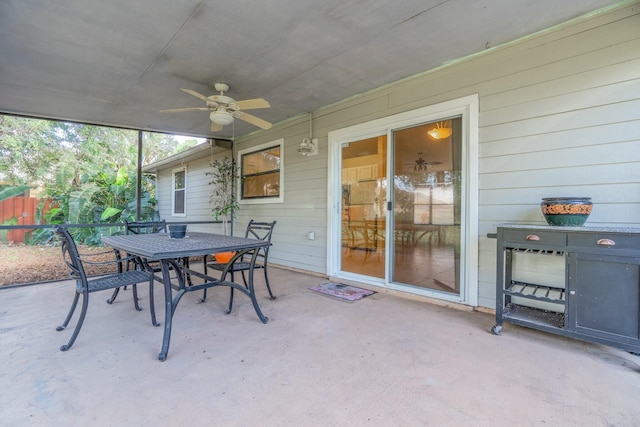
x=223 y=110
x=441 y=131
x=221 y=117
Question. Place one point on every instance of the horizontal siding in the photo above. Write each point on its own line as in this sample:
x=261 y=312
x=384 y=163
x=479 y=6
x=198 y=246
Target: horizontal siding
x=601 y=194
x=622 y=111
x=556 y=103
x=197 y=192
x=305 y=200
x=567 y=77
x=592 y=135
x=580 y=177
x=559 y=116
x=564 y=159
x=568 y=124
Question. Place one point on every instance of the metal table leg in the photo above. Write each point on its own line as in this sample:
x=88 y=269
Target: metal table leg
x=168 y=309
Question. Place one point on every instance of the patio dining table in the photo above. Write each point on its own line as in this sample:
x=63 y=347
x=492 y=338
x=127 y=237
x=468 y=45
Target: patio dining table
x=168 y=251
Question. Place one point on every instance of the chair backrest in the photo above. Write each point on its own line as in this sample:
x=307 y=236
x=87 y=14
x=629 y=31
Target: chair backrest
x=70 y=253
x=145 y=227
x=261 y=231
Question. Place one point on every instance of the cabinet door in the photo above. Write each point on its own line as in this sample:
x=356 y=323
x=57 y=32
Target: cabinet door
x=365 y=173
x=604 y=296
x=349 y=175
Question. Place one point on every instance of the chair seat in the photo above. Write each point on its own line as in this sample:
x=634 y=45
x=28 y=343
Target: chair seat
x=85 y=286
x=255 y=230
x=237 y=266
x=127 y=278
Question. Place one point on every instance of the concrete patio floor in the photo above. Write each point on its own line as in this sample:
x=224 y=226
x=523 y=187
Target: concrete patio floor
x=381 y=361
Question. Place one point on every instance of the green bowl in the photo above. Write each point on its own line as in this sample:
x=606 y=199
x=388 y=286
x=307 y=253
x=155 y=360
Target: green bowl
x=566 y=211
x=566 y=220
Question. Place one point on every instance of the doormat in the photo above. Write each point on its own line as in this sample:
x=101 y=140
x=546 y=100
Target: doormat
x=343 y=292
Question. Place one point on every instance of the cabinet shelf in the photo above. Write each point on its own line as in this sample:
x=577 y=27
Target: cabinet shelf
x=536 y=292
x=539 y=251
x=532 y=316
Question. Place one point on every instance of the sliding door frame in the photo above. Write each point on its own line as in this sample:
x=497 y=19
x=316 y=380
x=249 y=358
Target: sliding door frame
x=467 y=107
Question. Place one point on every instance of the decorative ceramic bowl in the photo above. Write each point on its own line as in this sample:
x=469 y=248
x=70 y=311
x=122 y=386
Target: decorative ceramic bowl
x=566 y=211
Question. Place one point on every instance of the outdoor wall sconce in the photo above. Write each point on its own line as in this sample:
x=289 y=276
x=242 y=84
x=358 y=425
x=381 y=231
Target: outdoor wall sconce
x=308 y=147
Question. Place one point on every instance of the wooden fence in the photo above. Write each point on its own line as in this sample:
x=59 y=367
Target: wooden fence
x=21 y=208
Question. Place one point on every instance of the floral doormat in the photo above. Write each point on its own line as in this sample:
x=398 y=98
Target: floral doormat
x=343 y=292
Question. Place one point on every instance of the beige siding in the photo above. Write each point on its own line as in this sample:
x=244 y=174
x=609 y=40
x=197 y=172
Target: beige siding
x=198 y=190
x=305 y=200
x=559 y=116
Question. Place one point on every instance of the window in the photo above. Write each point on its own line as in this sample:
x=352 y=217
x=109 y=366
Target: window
x=261 y=174
x=433 y=204
x=179 y=192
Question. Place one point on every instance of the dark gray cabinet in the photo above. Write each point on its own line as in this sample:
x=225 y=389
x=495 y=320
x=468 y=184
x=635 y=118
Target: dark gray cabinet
x=599 y=299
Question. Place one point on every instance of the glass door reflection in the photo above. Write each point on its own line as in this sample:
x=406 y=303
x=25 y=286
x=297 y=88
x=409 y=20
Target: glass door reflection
x=364 y=206
x=425 y=248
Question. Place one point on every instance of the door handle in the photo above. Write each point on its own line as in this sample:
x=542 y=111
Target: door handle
x=532 y=238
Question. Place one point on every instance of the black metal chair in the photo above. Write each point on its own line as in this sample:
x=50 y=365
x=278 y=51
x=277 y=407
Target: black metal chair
x=86 y=286
x=139 y=227
x=255 y=230
x=145 y=227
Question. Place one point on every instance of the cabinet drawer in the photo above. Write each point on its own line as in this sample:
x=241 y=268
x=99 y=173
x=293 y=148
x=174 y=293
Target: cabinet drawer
x=536 y=237
x=604 y=240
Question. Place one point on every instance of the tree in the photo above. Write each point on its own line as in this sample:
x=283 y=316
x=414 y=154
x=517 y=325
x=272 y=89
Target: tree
x=27 y=150
x=34 y=151
x=87 y=172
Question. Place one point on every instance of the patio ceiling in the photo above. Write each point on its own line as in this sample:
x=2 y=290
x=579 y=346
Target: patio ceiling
x=118 y=62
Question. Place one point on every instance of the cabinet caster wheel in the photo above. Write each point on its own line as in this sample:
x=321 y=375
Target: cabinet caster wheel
x=496 y=329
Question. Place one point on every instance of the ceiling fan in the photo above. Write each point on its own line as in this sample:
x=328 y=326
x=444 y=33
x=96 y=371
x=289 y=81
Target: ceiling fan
x=225 y=109
x=421 y=164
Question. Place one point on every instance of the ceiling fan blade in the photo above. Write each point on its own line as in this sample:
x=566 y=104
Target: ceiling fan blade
x=196 y=94
x=253 y=120
x=252 y=104
x=215 y=127
x=177 y=110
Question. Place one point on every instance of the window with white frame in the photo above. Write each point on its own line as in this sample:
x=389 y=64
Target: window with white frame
x=261 y=173
x=179 y=192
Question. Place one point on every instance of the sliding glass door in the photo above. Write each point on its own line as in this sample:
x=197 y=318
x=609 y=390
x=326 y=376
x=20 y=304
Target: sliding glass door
x=363 y=217
x=425 y=249
x=419 y=238
x=404 y=202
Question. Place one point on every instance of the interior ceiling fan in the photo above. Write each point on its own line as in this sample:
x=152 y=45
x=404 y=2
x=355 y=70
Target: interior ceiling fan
x=224 y=109
x=421 y=164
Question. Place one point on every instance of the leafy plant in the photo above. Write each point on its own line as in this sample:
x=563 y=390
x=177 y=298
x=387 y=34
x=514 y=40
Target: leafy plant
x=9 y=191
x=4 y=233
x=223 y=197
